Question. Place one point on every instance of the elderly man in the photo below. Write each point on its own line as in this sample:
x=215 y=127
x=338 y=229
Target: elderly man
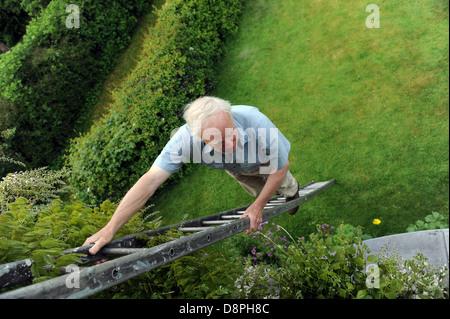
x=238 y=139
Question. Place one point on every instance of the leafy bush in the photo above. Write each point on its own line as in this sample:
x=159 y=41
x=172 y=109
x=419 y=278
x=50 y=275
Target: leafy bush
x=260 y=246
x=177 y=66
x=53 y=75
x=25 y=233
x=39 y=186
x=41 y=233
x=9 y=162
x=407 y=279
x=332 y=264
x=29 y=229
x=320 y=268
x=256 y=282
x=432 y=221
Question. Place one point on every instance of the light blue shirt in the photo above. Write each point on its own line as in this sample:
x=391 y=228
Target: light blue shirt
x=259 y=142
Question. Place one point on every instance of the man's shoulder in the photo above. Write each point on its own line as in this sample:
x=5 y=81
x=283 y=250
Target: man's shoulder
x=245 y=113
x=243 y=109
x=249 y=116
x=180 y=132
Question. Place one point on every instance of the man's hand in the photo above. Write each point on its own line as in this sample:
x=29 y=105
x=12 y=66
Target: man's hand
x=254 y=212
x=99 y=239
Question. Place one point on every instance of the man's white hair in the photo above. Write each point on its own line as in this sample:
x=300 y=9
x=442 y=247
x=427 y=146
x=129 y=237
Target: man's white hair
x=198 y=112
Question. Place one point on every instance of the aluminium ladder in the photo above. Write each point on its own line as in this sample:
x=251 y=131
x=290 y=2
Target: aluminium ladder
x=134 y=260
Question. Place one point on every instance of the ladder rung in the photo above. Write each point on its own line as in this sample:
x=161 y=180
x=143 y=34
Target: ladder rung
x=278 y=201
x=215 y=222
x=231 y=216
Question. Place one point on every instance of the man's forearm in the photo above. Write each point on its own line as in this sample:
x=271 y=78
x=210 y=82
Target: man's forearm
x=136 y=197
x=254 y=211
x=132 y=202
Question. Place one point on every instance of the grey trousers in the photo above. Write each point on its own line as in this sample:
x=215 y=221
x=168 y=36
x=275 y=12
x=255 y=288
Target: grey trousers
x=254 y=182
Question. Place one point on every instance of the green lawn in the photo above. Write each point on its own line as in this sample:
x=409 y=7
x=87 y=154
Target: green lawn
x=368 y=107
x=125 y=64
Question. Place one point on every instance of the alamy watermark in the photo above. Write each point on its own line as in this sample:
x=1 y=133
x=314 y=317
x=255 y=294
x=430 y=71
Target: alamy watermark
x=373 y=19
x=73 y=277
x=262 y=147
x=373 y=276
x=73 y=20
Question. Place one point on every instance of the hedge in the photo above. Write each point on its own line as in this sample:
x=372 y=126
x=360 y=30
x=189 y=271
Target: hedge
x=177 y=66
x=53 y=75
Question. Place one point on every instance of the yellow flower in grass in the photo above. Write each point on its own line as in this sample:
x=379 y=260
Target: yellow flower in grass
x=376 y=221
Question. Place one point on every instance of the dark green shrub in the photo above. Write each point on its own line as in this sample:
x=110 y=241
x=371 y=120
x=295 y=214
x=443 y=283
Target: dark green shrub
x=9 y=160
x=14 y=17
x=176 y=67
x=34 y=7
x=53 y=75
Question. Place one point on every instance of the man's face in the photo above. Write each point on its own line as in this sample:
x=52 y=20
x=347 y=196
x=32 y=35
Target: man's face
x=220 y=133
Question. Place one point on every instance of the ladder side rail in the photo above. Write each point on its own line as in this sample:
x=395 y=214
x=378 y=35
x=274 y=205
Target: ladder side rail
x=198 y=222
x=102 y=276
x=19 y=271
x=278 y=210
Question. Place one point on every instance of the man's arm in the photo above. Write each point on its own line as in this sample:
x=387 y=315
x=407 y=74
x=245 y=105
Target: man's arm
x=132 y=202
x=254 y=211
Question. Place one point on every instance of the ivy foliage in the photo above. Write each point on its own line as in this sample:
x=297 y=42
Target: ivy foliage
x=176 y=67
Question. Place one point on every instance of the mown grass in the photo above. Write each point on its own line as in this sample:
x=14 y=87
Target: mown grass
x=368 y=107
x=125 y=64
